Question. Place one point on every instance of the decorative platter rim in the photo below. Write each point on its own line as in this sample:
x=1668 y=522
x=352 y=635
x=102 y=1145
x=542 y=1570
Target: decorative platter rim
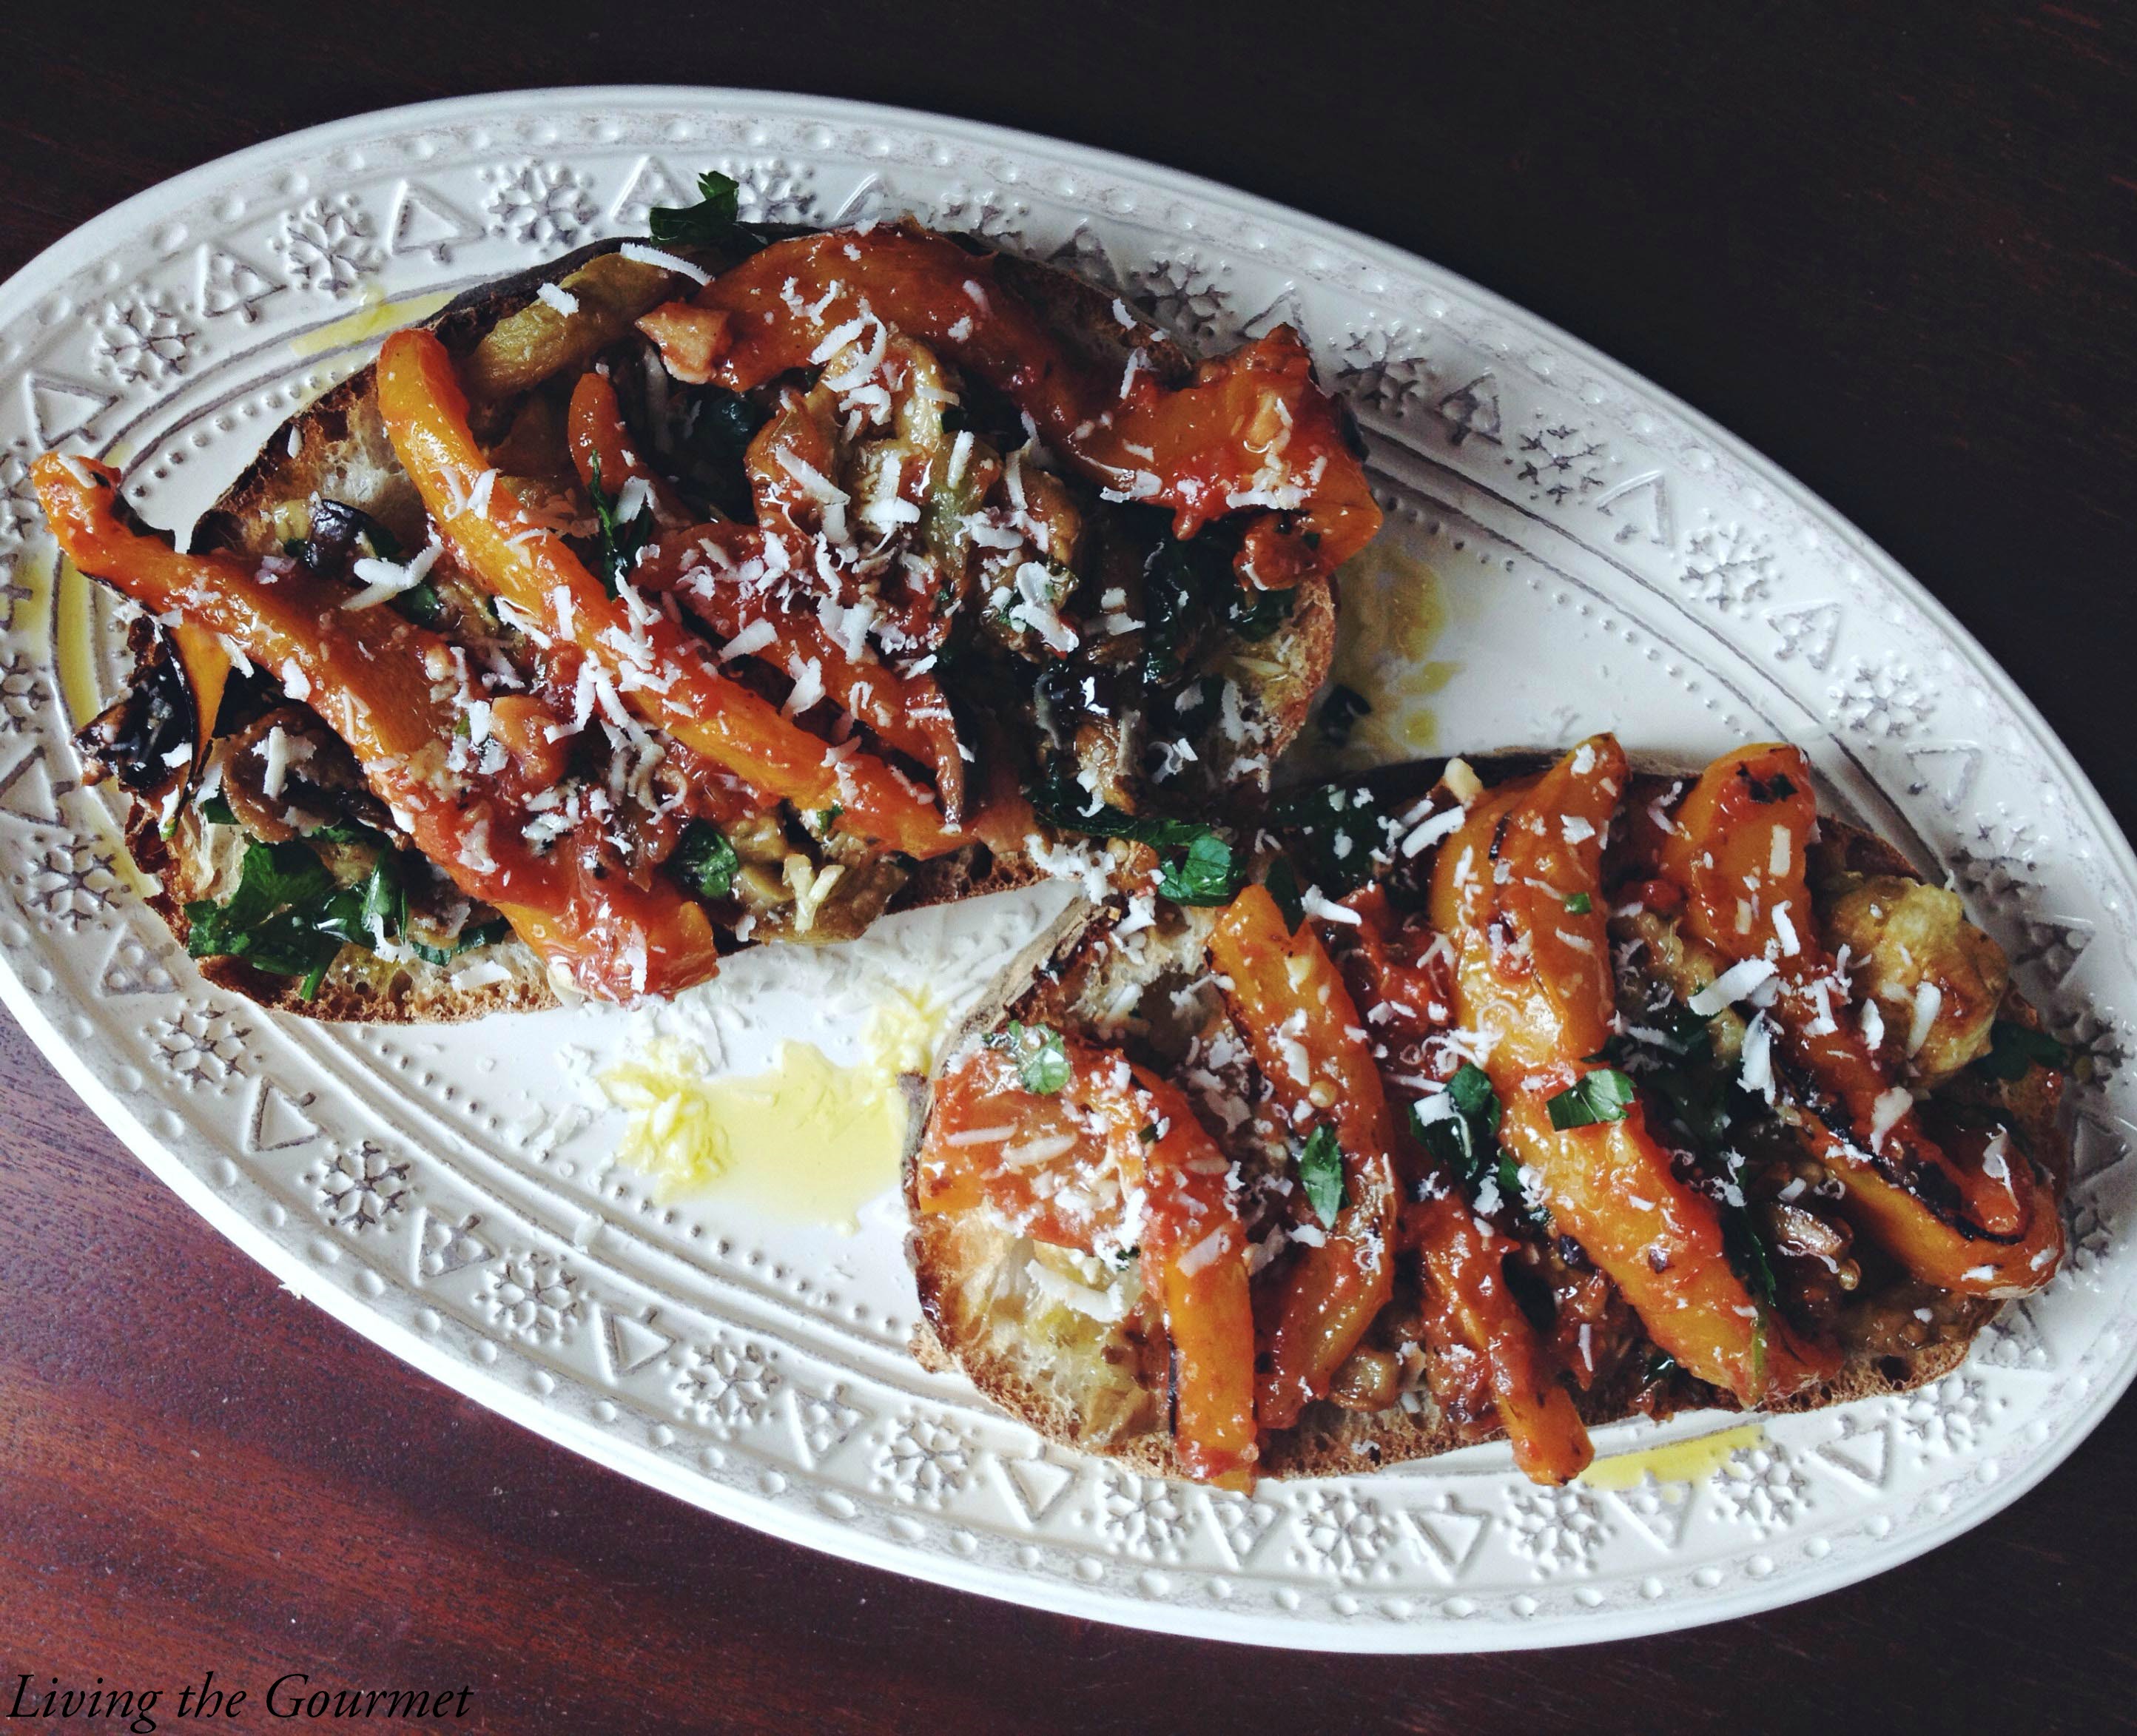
x=1368 y=1572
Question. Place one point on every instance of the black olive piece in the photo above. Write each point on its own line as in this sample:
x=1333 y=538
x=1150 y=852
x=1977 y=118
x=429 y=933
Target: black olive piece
x=132 y=740
x=330 y=550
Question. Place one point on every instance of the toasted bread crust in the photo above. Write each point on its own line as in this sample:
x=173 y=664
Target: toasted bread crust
x=958 y=1258
x=336 y=447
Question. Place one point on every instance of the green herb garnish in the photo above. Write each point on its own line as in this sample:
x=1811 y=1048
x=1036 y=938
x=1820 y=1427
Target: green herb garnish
x=289 y=917
x=481 y=934
x=1579 y=905
x=1339 y=827
x=1321 y=1173
x=1041 y=1056
x=1209 y=873
x=616 y=544
x=1605 y=1095
x=704 y=859
x=708 y=223
x=1467 y=1142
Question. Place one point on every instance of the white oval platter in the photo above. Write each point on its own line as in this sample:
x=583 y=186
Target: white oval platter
x=1568 y=548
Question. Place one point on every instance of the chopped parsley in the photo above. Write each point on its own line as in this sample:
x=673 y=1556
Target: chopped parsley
x=1605 y=1095
x=1339 y=827
x=289 y=917
x=1321 y=1173
x=1208 y=872
x=1041 y=1056
x=705 y=860
x=618 y=545
x=1579 y=905
x=1467 y=1141
x=711 y=222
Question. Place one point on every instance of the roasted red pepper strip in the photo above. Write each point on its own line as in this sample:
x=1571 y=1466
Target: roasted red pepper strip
x=1467 y=1298
x=700 y=567
x=1288 y=1000
x=1253 y=432
x=373 y=678
x=1535 y=976
x=604 y=456
x=1740 y=852
x=1058 y=1166
x=659 y=669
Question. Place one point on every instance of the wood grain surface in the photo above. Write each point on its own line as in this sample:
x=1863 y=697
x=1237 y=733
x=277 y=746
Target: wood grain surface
x=1895 y=246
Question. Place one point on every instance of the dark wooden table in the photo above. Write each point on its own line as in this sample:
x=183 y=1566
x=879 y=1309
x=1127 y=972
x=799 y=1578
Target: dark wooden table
x=1894 y=246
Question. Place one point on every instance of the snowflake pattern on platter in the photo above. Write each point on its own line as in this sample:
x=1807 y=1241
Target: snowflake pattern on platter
x=1184 y=295
x=997 y=217
x=926 y=1461
x=1883 y=700
x=1346 y=1533
x=1146 y=1517
x=1946 y=1416
x=1556 y=1529
x=1761 y=1487
x=726 y=1386
x=1384 y=368
x=538 y=204
x=1997 y=858
x=24 y=692
x=1728 y=566
x=65 y=880
x=1557 y=463
x=362 y=1187
x=2100 y=1040
x=772 y=190
x=19 y=512
x=531 y=1294
x=142 y=338
x=328 y=245
x=201 y=1044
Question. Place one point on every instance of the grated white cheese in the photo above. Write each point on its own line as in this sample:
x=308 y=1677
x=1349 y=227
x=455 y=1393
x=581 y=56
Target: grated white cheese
x=1734 y=985
x=646 y=255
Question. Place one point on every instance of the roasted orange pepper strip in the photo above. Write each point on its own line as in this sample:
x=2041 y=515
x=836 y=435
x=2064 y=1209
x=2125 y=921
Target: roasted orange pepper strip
x=600 y=438
x=1195 y=1256
x=1289 y=1000
x=373 y=678
x=1044 y=1161
x=1253 y=432
x=1536 y=976
x=1740 y=852
x=659 y=669
x=1467 y=1295
x=1406 y=978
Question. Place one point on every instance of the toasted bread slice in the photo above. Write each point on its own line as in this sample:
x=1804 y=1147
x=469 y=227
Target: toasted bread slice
x=1080 y=1353
x=337 y=449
